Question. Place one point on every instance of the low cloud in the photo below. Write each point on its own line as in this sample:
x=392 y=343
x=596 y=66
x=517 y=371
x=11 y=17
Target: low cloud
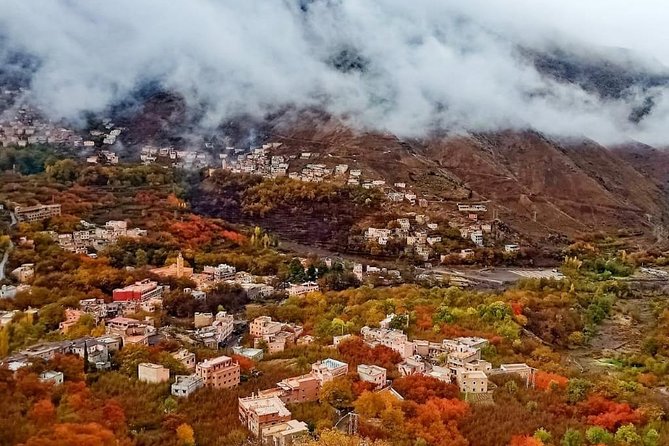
x=388 y=65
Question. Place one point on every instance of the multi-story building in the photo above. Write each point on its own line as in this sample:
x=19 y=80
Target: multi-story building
x=472 y=381
x=185 y=385
x=24 y=273
x=302 y=289
x=202 y=319
x=328 y=369
x=220 y=272
x=152 y=373
x=264 y=326
x=284 y=434
x=139 y=291
x=51 y=376
x=130 y=330
x=37 y=212
x=299 y=389
x=186 y=358
x=411 y=366
x=71 y=318
x=258 y=413
x=220 y=373
x=372 y=374
x=393 y=339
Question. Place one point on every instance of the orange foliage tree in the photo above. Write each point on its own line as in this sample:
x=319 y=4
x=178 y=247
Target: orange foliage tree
x=608 y=414
x=420 y=388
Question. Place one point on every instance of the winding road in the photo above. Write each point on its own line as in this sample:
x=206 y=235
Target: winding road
x=5 y=257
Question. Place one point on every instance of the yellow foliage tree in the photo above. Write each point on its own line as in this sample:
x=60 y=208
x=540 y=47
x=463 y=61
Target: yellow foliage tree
x=186 y=435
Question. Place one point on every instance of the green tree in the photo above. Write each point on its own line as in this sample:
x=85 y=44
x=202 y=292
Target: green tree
x=651 y=438
x=577 y=390
x=572 y=437
x=141 y=258
x=599 y=435
x=627 y=436
x=543 y=435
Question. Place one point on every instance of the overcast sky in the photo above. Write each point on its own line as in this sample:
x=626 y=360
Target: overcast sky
x=428 y=64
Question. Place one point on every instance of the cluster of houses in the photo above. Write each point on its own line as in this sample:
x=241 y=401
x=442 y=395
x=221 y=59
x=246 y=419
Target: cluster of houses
x=23 y=126
x=261 y=161
x=460 y=358
x=182 y=158
x=95 y=237
x=419 y=236
x=276 y=336
x=256 y=287
x=95 y=350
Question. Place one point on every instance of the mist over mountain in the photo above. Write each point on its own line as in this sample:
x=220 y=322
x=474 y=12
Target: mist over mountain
x=409 y=68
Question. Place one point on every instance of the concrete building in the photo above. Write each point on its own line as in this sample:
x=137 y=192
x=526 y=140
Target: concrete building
x=8 y=292
x=186 y=358
x=220 y=272
x=219 y=373
x=372 y=374
x=411 y=366
x=24 y=273
x=202 y=319
x=264 y=326
x=130 y=330
x=302 y=289
x=254 y=354
x=284 y=434
x=472 y=381
x=185 y=385
x=328 y=369
x=52 y=377
x=36 y=213
x=299 y=389
x=258 y=413
x=393 y=339
x=72 y=316
x=139 y=291
x=152 y=373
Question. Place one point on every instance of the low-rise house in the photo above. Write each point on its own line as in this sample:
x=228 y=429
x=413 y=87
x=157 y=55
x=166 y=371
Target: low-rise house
x=8 y=292
x=185 y=385
x=299 y=389
x=473 y=381
x=72 y=316
x=511 y=248
x=440 y=373
x=24 y=273
x=393 y=339
x=220 y=272
x=202 y=319
x=255 y=354
x=152 y=373
x=372 y=374
x=284 y=434
x=51 y=376
x=302 y=289
x=130 y=330
x=411 y=366
x=258 y=413
x=219 y=373
x=328 y=369
x=186 y=358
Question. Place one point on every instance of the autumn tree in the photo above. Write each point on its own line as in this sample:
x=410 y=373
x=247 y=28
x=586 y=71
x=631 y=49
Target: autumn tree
x=420 y=388
x=185 y=435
